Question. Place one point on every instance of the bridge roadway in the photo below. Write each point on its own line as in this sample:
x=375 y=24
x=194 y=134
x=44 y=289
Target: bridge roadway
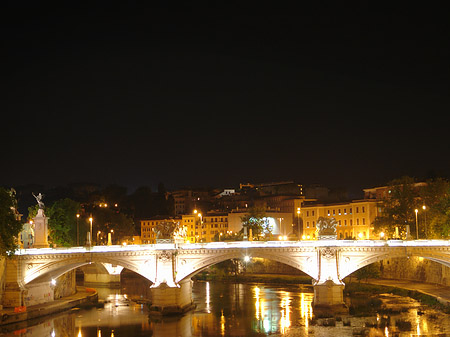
x=170 y=266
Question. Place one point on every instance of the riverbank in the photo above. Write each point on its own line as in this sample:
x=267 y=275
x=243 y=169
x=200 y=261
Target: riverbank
x=440 y=293
x=82 y=296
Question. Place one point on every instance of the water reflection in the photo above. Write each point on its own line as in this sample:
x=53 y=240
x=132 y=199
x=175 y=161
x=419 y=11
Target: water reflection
x=229 y=310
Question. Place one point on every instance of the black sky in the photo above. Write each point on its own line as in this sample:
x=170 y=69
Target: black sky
x=225 y=94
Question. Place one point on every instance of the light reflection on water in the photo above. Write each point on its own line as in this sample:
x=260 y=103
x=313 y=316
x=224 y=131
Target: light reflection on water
x=225 y=309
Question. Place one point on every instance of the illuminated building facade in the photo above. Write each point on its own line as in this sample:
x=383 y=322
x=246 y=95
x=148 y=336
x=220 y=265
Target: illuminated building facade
x=355 y=218
x=204 y=228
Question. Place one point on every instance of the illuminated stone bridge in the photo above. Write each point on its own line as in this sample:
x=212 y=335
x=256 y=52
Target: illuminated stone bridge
x=170 y=266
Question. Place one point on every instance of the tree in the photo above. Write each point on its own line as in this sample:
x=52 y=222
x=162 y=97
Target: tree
x=398 y=207
x=10 y=225
x=434 y=220
x=255 y=220
x=107 y=220
x=62 y=223
x=432 y=200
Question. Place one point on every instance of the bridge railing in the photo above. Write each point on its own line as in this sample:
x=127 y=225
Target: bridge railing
x=236 y=244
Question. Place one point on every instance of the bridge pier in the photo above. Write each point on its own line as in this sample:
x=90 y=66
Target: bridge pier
x=329 y=288
x=172 y=300
x=329 y=296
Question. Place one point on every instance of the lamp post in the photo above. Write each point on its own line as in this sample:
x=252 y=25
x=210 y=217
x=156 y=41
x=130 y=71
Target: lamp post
x=201 y=226
x=417 y=228
x=90 y=232
x=426 y=228
x=78 y=231
x=298 y=223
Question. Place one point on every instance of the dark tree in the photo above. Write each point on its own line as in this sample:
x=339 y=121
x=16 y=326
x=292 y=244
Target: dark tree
x=10 y=226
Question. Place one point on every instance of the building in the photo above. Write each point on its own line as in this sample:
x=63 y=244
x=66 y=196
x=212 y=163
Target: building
x=191 y=224
x=204 y=228
x=382 y=192
x=148 y=235
x=354 y=218
x=185 y=201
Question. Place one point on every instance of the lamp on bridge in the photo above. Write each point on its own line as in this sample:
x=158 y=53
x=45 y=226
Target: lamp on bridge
x=78 y=230
x=90 y=232
x=417 y=227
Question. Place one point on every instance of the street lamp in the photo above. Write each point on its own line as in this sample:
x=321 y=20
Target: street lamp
x=426 y=228
x=201 y=226
x=417 y=227
x=78 y=230
x=90 y=232
x=298 y=222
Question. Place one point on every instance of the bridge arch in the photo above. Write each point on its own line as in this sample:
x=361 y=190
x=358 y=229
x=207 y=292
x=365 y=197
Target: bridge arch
x=301 y=263
x=45 y=272
x=439 y=255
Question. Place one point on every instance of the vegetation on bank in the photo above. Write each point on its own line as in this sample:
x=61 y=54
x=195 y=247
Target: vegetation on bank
x=354 y=288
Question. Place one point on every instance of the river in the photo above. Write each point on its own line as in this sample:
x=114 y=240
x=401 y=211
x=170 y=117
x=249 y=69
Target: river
x=226 y=309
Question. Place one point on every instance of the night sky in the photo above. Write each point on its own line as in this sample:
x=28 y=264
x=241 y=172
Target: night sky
x=214 y=96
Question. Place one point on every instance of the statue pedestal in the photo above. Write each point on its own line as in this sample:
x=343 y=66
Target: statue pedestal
x=40 y=230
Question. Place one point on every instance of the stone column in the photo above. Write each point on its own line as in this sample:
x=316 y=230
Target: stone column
x=40 y=230
x=168 y=296
x=328 y=288
x=13 y=293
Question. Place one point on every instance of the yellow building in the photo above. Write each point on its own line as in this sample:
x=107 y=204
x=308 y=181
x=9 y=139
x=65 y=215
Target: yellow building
x=214 y=224
x=191 y=223
x=355 y=218
x=203 y=228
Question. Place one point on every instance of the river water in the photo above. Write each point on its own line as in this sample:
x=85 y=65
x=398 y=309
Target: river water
x=226 y=309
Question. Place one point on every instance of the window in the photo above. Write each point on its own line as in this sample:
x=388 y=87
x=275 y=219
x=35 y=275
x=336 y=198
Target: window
x=307 y=213
x=312 y=213
x=313 y=224
x=364 y=221
x=350 y=210
x=339 y=211
x=334 y=212
x=345 y=210
x=357 y=209
x=345 y=222
x=363 y=209
x=357 y=222
x=351 y=222
x=307 y=224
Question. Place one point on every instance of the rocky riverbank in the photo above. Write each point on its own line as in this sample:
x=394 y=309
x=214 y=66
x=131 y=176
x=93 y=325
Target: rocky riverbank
x=81 y=297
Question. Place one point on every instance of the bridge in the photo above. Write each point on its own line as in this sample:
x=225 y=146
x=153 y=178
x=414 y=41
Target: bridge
x=170 y=266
